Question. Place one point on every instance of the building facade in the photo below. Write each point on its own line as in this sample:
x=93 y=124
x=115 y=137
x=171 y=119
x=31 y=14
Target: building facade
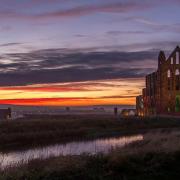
x=139 y=105
x=128 y=112
x=161 y=95
x=5 y=114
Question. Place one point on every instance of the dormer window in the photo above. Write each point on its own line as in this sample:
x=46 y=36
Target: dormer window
x=168 y=73
x=177 y=57
x=172 y=60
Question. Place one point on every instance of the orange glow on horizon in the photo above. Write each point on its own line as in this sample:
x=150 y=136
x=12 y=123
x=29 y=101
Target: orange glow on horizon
x=105 y=92
x=68 y=102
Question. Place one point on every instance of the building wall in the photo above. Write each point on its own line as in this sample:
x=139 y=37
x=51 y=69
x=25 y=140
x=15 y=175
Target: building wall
x=140 y=105
x=170 y=82
x=162 y=92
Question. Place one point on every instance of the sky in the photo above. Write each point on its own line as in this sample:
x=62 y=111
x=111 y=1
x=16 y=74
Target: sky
x=81 y=52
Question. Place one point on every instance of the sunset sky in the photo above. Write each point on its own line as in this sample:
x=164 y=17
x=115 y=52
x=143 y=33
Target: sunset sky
x=82 y=52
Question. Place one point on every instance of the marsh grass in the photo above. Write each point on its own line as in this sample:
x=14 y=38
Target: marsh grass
x=156 y=157
x=41 y=131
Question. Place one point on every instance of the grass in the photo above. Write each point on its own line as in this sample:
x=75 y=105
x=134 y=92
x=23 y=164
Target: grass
x=155 y=158
x=40 y=131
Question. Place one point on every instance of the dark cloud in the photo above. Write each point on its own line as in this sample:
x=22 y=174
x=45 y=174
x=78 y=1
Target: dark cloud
x=142 y=46
x=68 y=75
x=53 y=66
x=10 y=44
x=74 y=65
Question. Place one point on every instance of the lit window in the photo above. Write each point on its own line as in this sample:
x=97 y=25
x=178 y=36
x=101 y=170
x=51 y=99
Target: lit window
x=168 y=73
x=177 y=57
x=172 y=60
x=177 y=72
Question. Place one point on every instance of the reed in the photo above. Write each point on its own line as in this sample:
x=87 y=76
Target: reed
x=41 y=131
x=157 y=157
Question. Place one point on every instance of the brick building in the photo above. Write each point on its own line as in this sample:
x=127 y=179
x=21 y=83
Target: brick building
x=140 y=105
x=162 y=93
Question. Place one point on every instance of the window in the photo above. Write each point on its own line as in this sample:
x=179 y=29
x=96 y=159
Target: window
x=172 y=60
x=169 y=110
x=177 y=87
x=168 y=73
x=177 y=57
x=169 y=85
x=177 y=83
x=177 y=79
x=177 y=72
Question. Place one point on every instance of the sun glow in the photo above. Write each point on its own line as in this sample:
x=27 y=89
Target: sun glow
x=76 y=93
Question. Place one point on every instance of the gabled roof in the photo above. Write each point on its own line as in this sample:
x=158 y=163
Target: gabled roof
x=176 y=49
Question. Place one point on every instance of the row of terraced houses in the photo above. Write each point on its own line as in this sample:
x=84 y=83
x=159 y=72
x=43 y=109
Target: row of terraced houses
x=161 y=96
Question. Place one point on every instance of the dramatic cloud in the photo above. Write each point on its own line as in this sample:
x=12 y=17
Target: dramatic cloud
x=80 y=52
x=10 y=44
x=68 y=75
x=74 y=65
x=78 y=11
x=84 y=10
x=52 y=66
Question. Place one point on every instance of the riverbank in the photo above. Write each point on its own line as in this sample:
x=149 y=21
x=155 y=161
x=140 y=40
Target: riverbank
x=38 y=131
x=157 y=157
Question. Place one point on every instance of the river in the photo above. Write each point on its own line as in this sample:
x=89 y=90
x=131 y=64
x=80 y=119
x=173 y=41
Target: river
x=72 y=148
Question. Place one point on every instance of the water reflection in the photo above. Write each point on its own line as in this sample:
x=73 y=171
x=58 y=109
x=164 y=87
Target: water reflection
x=73 y=148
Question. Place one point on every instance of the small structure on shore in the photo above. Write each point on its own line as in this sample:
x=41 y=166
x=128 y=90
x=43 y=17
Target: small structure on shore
x=128 y=112
x=67 y=109
x=115 y=111
x=5 y=114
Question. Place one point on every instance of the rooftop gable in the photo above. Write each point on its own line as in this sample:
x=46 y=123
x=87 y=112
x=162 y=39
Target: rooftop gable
x=177 y=49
